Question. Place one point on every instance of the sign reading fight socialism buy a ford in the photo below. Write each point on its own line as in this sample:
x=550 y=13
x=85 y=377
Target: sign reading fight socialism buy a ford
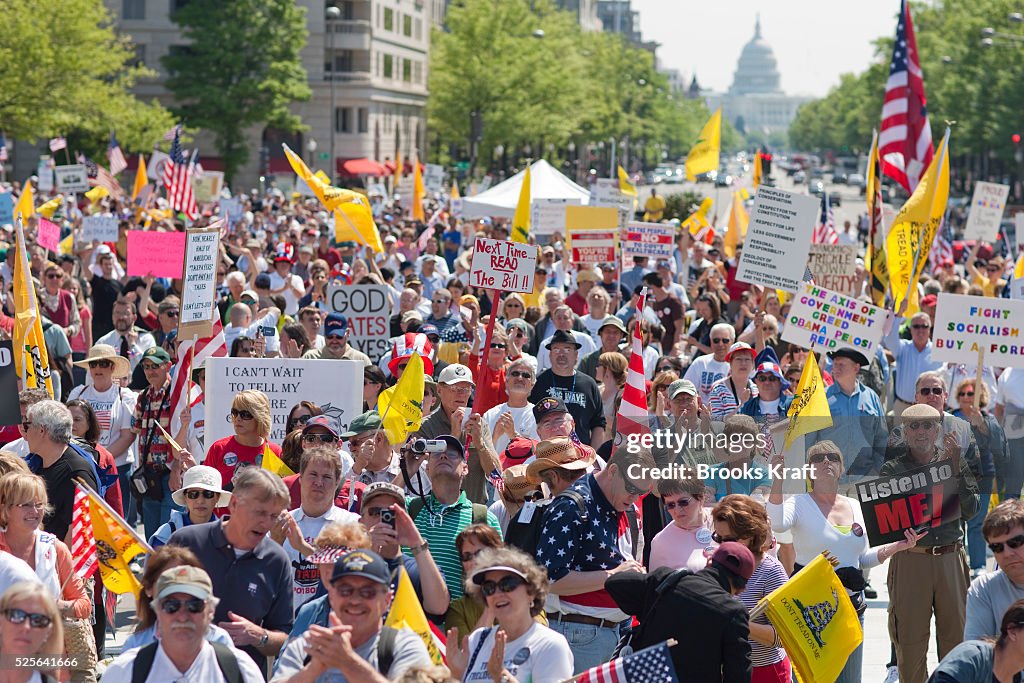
x=967 y=325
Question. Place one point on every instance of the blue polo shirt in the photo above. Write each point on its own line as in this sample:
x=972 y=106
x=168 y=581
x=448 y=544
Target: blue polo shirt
x=858 y=428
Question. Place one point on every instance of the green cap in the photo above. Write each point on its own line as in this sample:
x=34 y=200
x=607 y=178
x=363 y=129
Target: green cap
x=156 y=355
x=367 y=422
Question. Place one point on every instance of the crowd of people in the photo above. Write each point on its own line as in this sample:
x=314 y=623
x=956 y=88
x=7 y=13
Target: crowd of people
x=538 y=542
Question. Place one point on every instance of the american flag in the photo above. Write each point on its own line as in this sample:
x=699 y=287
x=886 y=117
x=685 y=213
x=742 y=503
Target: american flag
x=905 y=140
x=115 y=156
x=808 y=276
x=650 y=665
x=177 y=181
x=215 y=346
x=102 y=177
x=83 y=545
x=57 y=144
x=633 y=417
x=825 y=230
x=942 y=247
x=172 y=133
x=497 y=481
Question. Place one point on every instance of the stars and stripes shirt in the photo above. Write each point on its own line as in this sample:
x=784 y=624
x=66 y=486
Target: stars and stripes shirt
x=570 y=544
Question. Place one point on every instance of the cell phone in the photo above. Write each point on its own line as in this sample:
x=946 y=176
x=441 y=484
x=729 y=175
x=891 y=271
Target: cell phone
x=268 y=331
x=387 y=516
x=923 y=529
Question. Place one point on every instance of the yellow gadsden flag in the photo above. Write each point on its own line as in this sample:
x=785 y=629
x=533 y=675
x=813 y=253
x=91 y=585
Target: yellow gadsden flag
x=406 y=612
x=809 y=410
x=331 y=197
x=758 y=170
x=815 y=620
x=738 y=220
x=116 y=545
x=626 y=187
x=401 y=406
x=353 y=221
x=30 y=357
x=697 y=222
x=913 y=230
x=419 y=193
x=521 y=219
x=26 y=207
x=703 y=156
x=50 y=207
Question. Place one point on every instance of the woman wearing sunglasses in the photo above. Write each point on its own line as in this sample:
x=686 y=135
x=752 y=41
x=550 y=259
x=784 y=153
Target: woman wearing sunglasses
x=251 y=418
x=686 y=542
x=513 y=588
x=30 y=626
x=825 y=520
x=200 y=494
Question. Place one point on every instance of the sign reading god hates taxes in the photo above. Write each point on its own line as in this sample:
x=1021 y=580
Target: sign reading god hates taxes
x=778 y=239
x=504 y=266
x=368 y=309
x=824 y=320
x=653 y=240
x=986 y=212
x=966 y=325
x=329 y=384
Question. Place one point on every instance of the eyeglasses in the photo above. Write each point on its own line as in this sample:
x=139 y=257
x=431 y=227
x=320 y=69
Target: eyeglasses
x=721 y=341
x=681 y=503
x=631 y=488
x=513 y=304
x=721 y=539
x=35 y=620
x=505 y=585
x=451 y=455
x=498 y=346
x=1012 y=543
x=766 y=378
x=366 y=592
x=666 y=368
x=242 y=414
x=934 y=391
x=519 y=373
x=194 y=494
x=921 y=424
x=920 y=327
x=822 y=457
x=149 y=367
x=965 y=393
x=322 y=438
x=101 y=364
x=31 y=506
x=468 y=557
x=171 y=314
x=172 y=605
x=54 y=276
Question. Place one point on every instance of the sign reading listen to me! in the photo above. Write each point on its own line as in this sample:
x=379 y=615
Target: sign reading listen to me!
x=505 y=266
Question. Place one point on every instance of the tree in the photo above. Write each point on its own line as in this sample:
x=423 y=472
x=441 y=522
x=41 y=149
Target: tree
x=241 y=68
x=65 y=72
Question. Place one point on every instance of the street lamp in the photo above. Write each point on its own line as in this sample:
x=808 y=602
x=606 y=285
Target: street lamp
x=311 y=146
x=332 y=14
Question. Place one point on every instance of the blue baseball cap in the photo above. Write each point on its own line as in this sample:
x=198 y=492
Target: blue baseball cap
x=429 y=329
x=335 y=325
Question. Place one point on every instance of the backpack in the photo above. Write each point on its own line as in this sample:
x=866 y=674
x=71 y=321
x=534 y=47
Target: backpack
x=104 y=478
x=633 y=640
x=525 y=534
x=385 y=651
x=479 y=511
x=226 y=661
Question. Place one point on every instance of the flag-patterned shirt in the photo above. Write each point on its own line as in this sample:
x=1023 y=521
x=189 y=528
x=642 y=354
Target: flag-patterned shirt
x=152 y=407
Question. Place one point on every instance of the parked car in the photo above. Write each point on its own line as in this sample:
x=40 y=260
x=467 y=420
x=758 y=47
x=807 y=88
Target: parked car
x=818 y=189
x=799 y=177
x=855 y=179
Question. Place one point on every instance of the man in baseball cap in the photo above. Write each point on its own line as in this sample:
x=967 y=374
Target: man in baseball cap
x=611 y=333
x=336 y=346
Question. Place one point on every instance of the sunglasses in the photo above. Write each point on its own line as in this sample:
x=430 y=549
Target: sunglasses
x=468 y=557
x=920 y=327
x=721 y=341
x=292 y=423
x=721 y=539
x=1012 y=543
x=822 y=457
x=514 y=304
x=196 y=493
x=172 y=605
x=498 y=346
x=322 y=438
x=921 y=424
x=518 y=373
x=631 y=488
x=101 y=364
x=934 y=391
x=766 y=378
x=35 y=620
x=171 y=314
x=505 y=585
x=965 y=393
x=666 y=368
x=243 y=414
x=54 y=276
x=682 y=503
x=366 y=592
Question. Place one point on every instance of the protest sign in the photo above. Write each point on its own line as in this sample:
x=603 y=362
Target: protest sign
x=653 y=240
x=155 y=167
x=44 y=174
x=433 y=178
x=547 y=216
x=368 y=309
x=834 y=267
x=593 y=246
x=207 y=187
x=923 y=497
x=159 y=253
x=48 y=234
x=967 y=325
x=330 y=384
x=582 y=218
x=231 y=209
x=99 y=228
x=503 y=266
x=824 y=320
x=199 y=282
x=73 y=178
x=6 y=208
x=10 y=412
x=778 y=239
x=986 y=212
x=606 y=192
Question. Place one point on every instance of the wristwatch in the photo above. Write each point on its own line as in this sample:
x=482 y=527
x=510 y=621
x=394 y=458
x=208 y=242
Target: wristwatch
x=417 y=549
x=264 y=639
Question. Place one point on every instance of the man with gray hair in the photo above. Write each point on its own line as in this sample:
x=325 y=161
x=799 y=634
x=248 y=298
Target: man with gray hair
x=251 y=573
x=930 y=389
x=514 y=417
x=47 y=428
x=708 y=368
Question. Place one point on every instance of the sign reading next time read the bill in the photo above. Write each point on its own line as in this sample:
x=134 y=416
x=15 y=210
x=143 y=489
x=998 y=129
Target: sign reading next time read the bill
x=504 y=266
x=967 y=325
x=778 y=239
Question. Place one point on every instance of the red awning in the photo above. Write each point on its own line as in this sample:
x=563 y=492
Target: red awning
x=389 y=167
x=362 y=166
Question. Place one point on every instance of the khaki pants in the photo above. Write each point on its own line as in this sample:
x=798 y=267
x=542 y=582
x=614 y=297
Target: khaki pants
x=899 y=406
x=917 y=583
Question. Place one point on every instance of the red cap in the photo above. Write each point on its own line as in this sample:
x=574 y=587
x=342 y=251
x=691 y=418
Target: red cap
x=929 y=301
x=735 y=557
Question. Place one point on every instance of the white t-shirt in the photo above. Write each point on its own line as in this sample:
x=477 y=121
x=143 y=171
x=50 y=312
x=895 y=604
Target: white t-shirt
x=291 y=300
x=204 y=668
x=593 y=325
x=540 y=655
x=705 y=371
x=114 y=408
x=1010 y=395
x=526 y=425
x=305 y=575
x=14 y=570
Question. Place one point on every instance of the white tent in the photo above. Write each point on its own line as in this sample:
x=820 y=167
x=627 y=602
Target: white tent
x=545 y=183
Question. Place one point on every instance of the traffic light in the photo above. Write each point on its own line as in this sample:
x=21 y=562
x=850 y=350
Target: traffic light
x=766 y=164
x=1016 y=138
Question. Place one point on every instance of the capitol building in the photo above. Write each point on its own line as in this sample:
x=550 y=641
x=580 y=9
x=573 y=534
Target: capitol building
x=755 y=101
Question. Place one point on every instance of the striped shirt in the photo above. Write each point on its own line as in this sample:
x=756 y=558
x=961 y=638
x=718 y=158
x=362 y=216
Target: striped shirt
x=721 y=399
x=768 y=576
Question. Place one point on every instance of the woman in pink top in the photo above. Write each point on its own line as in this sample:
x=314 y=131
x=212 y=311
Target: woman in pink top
x=686 y=542
x=81 y=342
x=59 y=304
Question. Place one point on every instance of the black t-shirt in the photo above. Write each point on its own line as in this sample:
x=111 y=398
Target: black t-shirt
x=670 y=314
x=104 y=294
x=581 y=397
x=60 y=489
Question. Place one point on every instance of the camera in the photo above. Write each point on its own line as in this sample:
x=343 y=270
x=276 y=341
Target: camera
x=421 y=446
x=387 y=516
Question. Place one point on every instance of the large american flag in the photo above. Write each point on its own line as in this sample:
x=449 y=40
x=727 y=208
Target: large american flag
x=905 y=140
x=83 y=544
x=650 y=665
x=205 y=348
x=177 y=180
x=825 y=230
x=115 y=156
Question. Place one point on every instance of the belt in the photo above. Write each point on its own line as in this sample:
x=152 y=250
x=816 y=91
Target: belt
x=582 y=619
x=936 y=549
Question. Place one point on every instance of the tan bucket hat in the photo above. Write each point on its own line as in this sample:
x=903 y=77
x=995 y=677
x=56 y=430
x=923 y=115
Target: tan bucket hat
x=559 y=453
x=517 y=483
x=122 y=368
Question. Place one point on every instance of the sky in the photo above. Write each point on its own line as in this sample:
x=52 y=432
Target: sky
x=813 y=42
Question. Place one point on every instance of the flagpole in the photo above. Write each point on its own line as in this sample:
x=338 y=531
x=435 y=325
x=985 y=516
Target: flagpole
x=106 y=506
x=66 y=156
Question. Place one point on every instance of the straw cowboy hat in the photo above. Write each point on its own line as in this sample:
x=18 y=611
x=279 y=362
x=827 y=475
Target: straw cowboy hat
x=559 y=453
x=517 y=483
x=122 y=368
